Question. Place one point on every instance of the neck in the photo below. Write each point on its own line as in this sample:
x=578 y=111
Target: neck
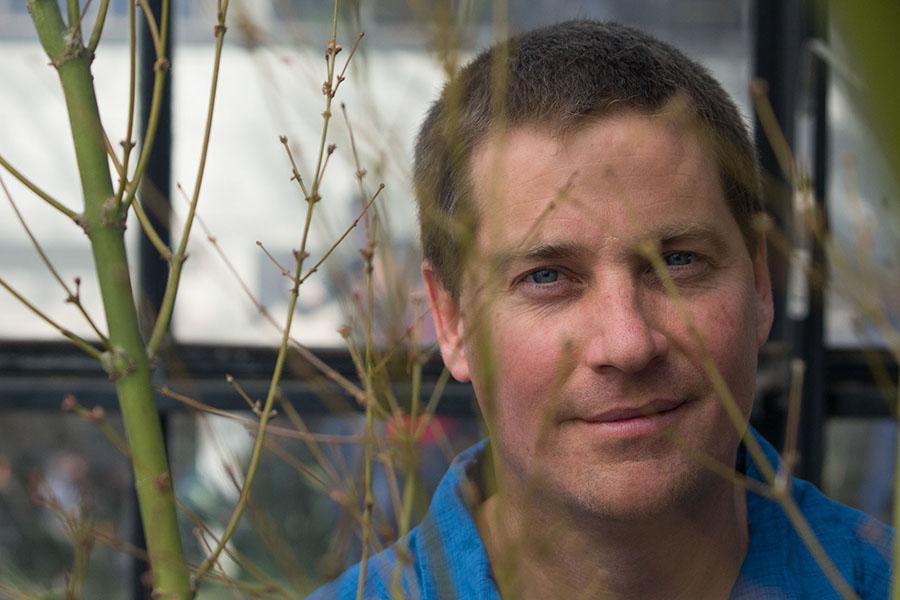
x=690 y=552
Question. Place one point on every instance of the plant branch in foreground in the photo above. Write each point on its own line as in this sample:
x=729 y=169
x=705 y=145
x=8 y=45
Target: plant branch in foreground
x=127 y=362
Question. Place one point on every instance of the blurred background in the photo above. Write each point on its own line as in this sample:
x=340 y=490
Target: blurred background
x=54 y=464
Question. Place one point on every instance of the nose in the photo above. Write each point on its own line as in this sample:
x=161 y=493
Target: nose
x=622 y=332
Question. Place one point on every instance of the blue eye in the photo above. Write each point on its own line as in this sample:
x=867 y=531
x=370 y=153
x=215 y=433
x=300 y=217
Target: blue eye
x=544 y=276
x=679 y=259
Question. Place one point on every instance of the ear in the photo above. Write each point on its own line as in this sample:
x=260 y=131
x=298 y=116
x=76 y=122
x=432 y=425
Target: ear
x=445 y=311
x=763 y=284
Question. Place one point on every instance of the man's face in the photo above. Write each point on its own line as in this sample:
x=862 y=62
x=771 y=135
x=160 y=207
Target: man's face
x=567 y=332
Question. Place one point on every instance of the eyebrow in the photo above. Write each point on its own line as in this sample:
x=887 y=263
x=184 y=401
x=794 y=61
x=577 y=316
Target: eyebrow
x=568 y=251
x=550 y=251
x=681 y=232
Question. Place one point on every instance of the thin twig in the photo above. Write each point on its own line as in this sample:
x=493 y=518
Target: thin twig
x=74 y=298
x=295 y=171
x=75 y=217
x=341 y=77
x=79 y=342
x=128 y=142
x=98 y=25
x=344 y=235
x=160 y=68
x=74 y=18
x=297 y=421
x=773 y=131
x=143 y=219
x=369 y=499
x=310 y=357
x=360 y=173
x=795 y=396
x=325 y=438
x=120 y=169
x=431 y=406
x=161 y=327
x=301 y=255
x=253 y=404
x=153 y=27
x=164 y=251
x=651 y=252
x=314 y=478
x=97 y=416
x=275 y=262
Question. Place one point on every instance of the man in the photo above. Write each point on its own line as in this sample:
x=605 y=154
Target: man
x=594 y=270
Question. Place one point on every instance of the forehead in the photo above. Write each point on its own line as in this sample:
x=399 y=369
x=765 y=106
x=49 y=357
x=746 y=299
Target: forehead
x=618 y=179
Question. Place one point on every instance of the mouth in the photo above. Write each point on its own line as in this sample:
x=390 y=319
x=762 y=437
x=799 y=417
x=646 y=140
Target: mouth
x=634 y=421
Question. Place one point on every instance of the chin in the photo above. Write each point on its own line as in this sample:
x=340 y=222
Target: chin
x=633 y=491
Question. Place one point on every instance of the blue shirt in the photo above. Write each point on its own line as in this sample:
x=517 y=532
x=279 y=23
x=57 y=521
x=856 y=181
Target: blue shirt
x=449 y=560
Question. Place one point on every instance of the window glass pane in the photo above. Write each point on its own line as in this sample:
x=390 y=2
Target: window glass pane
x=270 y=84
x=301 y=527
x=53 y=468
x=35 y=139
x=862 y=300
x=859 y=464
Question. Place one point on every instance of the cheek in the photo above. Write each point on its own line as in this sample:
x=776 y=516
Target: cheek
x=729 y=332
x=522 y=368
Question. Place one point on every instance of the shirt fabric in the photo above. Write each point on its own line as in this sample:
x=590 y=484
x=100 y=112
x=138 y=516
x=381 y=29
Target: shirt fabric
x=449 y=560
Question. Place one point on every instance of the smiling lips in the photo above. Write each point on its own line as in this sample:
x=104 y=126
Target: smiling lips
x=646 y=419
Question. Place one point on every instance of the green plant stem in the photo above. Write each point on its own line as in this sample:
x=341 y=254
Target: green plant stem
x=264 y=416
x=98 y=26
x=41 y=193
x=151 y=232
x=128 y=142
x=144 y=221
x=128 y=363
x=158 y=40
x=301 y=255
x=74 y=16
x=161 y=327
x=159 y=79
x=369 y=500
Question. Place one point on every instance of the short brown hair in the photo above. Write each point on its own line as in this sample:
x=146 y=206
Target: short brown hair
x=559 y=76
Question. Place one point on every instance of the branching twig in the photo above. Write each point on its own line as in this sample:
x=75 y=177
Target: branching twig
x=301 y=255
x=364 y=213
x=74 y=298
x=79 y=342
x=97 y=416
x=310 y=357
